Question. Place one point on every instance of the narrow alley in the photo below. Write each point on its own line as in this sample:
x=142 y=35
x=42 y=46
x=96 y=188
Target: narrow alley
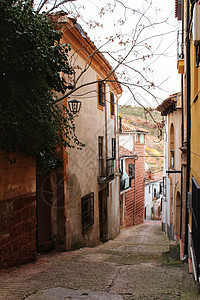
x=136 y=265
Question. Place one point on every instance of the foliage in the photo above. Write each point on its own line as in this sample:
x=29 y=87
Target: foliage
x=32 y=60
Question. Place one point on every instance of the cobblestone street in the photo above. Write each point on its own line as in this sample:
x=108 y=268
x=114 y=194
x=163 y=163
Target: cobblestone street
x=136 y=265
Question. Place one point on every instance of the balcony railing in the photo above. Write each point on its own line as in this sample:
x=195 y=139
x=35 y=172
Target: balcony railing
x=107 y=172
x=125 y=184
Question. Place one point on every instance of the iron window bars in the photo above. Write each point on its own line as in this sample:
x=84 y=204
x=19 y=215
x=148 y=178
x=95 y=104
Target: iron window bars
x=87 y=204
x=101 y=92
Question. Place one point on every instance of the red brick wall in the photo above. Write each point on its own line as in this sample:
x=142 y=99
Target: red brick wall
x=17 y=210
x=140 y=190
x=129 y=197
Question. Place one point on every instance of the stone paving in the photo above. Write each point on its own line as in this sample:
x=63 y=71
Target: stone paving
x=136 y=265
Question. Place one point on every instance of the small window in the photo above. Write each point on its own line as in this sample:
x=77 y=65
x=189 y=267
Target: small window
x=131 y=170
x=164 y=187
x=149 y=189
x=112 y=104
x=121 y=166
x=172 y=158
x=101 y=93
x=137 y=138
x=154 y=193
x=100 y=146
x=114 y=148
x=100 y=141
x=87 y=204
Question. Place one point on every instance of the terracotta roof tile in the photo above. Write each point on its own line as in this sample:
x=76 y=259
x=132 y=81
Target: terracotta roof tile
x=126 y=127
x=125 y=152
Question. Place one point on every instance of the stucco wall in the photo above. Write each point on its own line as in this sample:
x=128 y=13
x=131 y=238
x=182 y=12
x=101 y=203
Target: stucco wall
x=82 y=168
x=173 y=181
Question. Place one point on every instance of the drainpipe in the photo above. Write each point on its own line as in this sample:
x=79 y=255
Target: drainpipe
x=188 y=88
x=106 y=132
x=182 y=105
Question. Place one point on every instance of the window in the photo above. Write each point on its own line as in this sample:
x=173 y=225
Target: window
x=160 y=188
x=114 y=148
x=121 y=166
x=154 y=193
x=100 y=146
x=87 y=204
x=101 y=93
x=120 y=124
x=131 y=170
x=164 y=186
x=112 y=104
x=149 y=189
x=139 y=138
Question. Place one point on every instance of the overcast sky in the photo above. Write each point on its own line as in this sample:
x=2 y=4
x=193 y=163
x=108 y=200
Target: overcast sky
x=163 y=66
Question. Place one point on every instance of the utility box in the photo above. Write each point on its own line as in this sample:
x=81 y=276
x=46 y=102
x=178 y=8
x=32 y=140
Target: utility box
x=196 y=24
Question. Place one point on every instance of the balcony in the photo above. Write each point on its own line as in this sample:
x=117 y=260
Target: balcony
x=125 y=184
x=107 y=170
x=180 y=52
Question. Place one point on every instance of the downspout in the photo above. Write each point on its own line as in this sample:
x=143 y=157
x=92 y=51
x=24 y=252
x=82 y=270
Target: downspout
x=188 y=88
x=117 y=133
x=106 y=132
x=182 y=105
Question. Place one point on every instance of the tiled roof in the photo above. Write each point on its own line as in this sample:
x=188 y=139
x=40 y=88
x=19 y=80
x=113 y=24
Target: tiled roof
x=126 y=127
x=169 y=104
x=125 y=152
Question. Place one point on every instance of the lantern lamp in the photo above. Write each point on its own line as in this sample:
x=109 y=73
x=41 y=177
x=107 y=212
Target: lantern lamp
x=74 y=106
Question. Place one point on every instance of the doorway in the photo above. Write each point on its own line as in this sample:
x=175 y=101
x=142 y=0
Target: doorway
x=103 y=216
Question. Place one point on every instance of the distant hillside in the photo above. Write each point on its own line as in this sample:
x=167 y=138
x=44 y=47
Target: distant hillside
x=154 y=147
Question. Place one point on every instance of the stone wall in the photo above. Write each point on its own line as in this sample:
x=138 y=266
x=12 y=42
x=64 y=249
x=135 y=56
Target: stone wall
x=17 y=209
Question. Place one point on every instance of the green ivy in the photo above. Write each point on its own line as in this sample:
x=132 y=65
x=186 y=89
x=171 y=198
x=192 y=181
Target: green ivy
x=31 y=61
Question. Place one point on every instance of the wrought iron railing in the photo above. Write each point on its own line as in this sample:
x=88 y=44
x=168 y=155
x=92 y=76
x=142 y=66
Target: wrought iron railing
x=107 y=172
x=110 y=168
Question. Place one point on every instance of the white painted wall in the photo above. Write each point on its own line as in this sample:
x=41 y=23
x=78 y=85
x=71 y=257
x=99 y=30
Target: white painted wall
x=149 y=195
x=126 y=140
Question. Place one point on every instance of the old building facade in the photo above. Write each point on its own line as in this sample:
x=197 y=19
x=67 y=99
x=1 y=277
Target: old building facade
x=171 y=207
x=132 y=166
x=85 y=191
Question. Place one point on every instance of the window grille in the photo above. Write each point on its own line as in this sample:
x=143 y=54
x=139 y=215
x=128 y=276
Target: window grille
x=131 y=170
x=101 y=92
x=87 y=204
x=100 y=144
x=114 y=148
x=112 y=104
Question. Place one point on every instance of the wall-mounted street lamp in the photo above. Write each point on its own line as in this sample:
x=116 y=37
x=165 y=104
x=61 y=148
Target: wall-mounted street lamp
x=74 y=106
